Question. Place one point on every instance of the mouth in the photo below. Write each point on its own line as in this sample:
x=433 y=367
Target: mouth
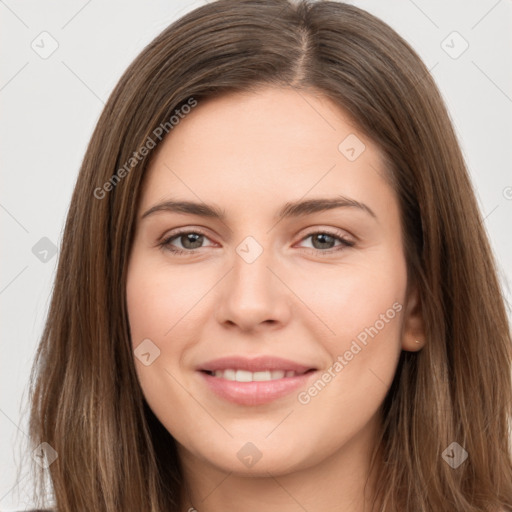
x=256 y=381
x=238 y=375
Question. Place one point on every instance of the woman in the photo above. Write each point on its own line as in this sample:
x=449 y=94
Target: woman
x=274 y=288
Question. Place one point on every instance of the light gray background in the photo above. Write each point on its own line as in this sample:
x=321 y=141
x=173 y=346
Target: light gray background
x=50 y=106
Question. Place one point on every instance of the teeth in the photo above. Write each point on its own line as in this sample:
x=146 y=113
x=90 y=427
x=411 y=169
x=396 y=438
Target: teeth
x=246 y=376
x=243 y=376
x=261 y=376
x=229 y=374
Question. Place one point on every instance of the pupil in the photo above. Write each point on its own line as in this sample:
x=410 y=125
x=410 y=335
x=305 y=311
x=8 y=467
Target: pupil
x=191 y=238
x=324 y=239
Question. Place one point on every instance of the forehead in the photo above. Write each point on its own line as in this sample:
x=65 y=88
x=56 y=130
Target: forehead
x=257 y=147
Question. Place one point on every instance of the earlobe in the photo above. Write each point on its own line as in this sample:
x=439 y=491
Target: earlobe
x=413 y=330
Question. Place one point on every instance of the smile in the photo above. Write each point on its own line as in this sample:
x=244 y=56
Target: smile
x=254 y=392
x=247 y=376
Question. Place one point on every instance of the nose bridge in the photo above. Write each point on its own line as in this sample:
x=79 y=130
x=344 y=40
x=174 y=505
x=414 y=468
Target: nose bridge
x=252 y=294
x=251 y=275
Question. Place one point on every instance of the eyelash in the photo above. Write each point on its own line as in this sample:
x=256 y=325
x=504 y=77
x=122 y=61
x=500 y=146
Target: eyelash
x=165 y=244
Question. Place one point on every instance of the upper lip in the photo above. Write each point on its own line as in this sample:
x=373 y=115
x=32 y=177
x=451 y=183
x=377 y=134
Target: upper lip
x=256 y=364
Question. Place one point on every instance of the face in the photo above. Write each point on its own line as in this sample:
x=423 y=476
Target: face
x=271 y=312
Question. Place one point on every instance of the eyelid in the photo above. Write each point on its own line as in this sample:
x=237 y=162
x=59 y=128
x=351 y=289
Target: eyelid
x=346 y=240
x=180 y=231
x=328 y=230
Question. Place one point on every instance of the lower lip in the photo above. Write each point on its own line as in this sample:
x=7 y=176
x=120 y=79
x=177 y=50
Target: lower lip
x=255 y=393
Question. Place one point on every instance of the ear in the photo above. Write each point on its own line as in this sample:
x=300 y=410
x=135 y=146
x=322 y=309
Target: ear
x=413 y=329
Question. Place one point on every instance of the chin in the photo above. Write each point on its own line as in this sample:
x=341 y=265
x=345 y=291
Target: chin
x=258 y=459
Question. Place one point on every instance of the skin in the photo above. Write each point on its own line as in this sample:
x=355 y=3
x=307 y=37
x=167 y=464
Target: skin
x=249 y=153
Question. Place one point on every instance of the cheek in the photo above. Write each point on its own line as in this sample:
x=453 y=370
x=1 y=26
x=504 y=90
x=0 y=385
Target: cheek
x=361 y=311
x=153 y=311
x=161 y=300
x=161 y=314
x=341 y=302
x=166 y=312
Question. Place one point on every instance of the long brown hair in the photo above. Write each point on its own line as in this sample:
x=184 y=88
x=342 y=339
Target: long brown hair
x=86 y=402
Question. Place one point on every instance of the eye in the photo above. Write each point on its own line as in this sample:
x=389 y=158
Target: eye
x=189 y=240
x=325 y=241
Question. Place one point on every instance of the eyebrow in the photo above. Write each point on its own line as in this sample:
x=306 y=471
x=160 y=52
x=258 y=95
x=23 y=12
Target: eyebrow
x=290 y=209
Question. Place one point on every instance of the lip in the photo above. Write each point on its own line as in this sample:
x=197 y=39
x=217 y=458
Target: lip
x=256 y=392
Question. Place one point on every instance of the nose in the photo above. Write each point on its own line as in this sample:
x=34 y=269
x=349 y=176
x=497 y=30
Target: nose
x=252 y=296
